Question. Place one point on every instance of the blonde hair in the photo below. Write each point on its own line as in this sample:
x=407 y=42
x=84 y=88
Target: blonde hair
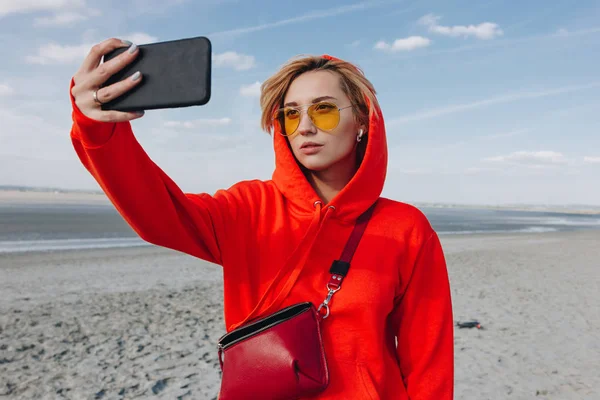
x=354 y=84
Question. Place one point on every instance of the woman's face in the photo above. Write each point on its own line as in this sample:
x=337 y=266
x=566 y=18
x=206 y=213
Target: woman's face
x=316 y=149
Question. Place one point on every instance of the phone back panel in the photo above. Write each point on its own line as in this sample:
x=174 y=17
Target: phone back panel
x=175 y=74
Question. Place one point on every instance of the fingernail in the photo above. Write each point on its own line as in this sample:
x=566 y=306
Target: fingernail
x=126 y=42
x=136 y=76
x=132 y=48
x=140 y=113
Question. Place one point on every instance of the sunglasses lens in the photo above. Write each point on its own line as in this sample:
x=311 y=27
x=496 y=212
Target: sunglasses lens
x=289 y=118
x=325 y=116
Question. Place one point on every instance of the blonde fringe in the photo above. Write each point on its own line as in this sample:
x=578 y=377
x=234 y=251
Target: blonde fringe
x=354 y=84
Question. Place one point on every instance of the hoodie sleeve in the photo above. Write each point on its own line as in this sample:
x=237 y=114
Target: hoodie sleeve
x=424 y=327
x=149 y=201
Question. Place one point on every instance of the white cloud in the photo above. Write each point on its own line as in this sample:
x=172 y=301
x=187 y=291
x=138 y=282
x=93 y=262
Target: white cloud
x=60 y=19
x=55 y=54
x=566 y=33
x=62 y=12
x=437 y=112
x=208 y=122
x=26 y=6
x=6 y=90
x=508 y=42
x=65 y=18
x=237 y=61
x=139 y=38
x=484 y=31
x=539 y=158
x=252 y=90
x=591 y=160
x=406 y=44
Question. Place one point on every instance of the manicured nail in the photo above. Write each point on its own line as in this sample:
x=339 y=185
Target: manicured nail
x=126 y=42
x=132 y=48
x=140 y=113
x=136 y=76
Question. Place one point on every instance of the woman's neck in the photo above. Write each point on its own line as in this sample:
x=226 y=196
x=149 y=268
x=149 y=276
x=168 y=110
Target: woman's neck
x=329 y=182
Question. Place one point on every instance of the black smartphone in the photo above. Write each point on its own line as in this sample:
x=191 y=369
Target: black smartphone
x=175 y=73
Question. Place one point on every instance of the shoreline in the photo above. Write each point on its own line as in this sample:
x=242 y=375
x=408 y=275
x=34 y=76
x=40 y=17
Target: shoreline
x=140 y=244
x=56 y=197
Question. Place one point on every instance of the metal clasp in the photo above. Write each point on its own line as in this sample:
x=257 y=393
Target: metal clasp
x=221 y=355
x=326 y=302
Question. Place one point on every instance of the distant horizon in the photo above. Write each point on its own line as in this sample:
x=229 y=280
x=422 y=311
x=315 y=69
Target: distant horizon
x=566 y=206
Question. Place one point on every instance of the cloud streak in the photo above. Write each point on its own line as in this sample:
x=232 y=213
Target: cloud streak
x=456 y=108
x=58 y=54
x=237 y=61
x=27 y=6
x=65 y=18
x=591 y=160
x=543 y=157
x=319 y=14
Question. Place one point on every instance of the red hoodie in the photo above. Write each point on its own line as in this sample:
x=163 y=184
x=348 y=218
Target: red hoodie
x=260 y=232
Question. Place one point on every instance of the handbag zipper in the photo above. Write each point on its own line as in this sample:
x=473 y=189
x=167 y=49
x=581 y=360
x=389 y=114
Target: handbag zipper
x=222 y=347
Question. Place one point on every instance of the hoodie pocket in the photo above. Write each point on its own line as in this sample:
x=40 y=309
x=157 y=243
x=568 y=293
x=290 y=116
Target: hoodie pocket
x=367 y=382
x=351 y=380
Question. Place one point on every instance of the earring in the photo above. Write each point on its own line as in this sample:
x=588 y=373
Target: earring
x=359 y=137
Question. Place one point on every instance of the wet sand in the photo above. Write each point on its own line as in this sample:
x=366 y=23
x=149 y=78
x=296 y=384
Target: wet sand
x=143 y=322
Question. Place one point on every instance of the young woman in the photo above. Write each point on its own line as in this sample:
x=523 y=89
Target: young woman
x=390 y=332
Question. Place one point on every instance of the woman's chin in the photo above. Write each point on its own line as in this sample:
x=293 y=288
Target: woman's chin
x=314 y=165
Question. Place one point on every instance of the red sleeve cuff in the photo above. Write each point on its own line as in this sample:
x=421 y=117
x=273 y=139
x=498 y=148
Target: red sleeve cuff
x=90 y=132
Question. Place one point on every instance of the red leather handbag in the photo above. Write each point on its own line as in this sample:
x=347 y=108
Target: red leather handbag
x=281 y=356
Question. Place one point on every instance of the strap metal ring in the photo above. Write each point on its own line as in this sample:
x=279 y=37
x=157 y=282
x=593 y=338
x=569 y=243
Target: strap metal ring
x=326 y=310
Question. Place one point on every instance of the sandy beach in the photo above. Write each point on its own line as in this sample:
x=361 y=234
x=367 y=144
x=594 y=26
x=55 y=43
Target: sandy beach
x=143 y=322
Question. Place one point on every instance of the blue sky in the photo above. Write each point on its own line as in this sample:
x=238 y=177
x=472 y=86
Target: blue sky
x=487 y=102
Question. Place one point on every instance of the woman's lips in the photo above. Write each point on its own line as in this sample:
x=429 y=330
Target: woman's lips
x=311 y=148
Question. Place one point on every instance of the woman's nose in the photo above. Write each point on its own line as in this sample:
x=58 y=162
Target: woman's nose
x=306 y=126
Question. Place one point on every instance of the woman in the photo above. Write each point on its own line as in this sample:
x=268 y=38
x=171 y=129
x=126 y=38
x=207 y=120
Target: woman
x=390 y=332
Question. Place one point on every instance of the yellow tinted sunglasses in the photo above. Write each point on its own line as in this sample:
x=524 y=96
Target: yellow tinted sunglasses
x=324 y=115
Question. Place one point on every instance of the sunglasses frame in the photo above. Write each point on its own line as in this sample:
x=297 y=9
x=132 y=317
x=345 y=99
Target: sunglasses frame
x=306 y=107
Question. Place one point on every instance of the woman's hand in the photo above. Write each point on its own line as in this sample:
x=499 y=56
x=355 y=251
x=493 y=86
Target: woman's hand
x=92 y=74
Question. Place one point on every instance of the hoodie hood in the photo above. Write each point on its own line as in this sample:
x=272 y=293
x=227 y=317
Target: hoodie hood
x=358 y=195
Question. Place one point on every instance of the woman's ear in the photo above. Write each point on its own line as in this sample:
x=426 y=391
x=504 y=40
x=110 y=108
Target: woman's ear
x=361 y=123
x=363 y=127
